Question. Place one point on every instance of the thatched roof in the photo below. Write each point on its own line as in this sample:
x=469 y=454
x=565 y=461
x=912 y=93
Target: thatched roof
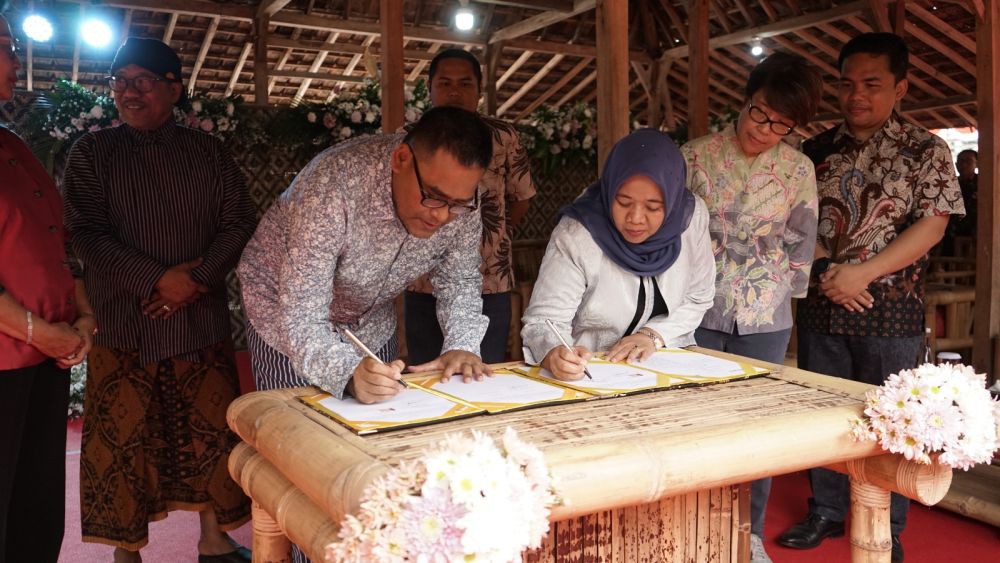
x=547 y=47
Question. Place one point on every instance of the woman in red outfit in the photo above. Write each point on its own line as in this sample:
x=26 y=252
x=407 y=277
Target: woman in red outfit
x=45 y=327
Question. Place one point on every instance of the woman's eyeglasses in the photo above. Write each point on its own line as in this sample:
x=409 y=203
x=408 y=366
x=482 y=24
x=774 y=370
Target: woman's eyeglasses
x=760 y=116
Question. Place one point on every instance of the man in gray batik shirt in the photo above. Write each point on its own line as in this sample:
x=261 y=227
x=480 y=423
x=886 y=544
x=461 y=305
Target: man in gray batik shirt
x=360 y=222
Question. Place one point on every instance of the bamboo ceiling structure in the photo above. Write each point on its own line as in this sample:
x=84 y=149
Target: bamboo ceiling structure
x=540 y=51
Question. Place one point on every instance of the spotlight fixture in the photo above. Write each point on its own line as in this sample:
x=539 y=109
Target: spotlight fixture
x=96 y=33
x=757 y=49
x=37 y=28
x=464 y=20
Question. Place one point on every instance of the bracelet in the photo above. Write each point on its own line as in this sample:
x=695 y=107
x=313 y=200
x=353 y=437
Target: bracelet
x=652 y=336
x=31 y=329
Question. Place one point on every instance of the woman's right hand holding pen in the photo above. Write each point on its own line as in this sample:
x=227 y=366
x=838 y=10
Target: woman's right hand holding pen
x=374 y=382
x=566 y=364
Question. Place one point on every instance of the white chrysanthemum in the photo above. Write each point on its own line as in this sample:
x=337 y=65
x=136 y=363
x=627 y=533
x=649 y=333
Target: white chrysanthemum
x=196 y=106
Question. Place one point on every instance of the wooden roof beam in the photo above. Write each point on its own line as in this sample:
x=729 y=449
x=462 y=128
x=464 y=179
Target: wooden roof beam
x=940 y=47
x=772 y=14
x=355 y=60
x=562 y=82
x=554 y=5
x=513 y=67
x=915 y=107
x=539 y=21
x=422 y=64
x=168 y=31
x=213 y=26
x=877 y=14
x=270 y=7
x=776 y=28
x=587 y=80
x=945 y=28
x=290 y=18
x=680 y=24
x=545 y=70
x=722 y=16
x=235 y=78
x=314 y=67
x=570 y=49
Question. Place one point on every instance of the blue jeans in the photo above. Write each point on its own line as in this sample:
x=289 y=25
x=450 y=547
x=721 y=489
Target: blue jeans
x=767 y=347
x=423 y=334
x=869 y=359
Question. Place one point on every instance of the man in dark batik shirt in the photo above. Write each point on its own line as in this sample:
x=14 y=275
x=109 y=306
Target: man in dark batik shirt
x=506 y=191
x=886 y=190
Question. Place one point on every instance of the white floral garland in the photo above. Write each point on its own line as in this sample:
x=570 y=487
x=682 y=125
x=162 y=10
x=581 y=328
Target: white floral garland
x=463 y=500
x=943 y=411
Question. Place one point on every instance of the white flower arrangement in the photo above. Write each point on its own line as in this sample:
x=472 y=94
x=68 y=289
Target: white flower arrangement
x=464 y=500
x=941 y=410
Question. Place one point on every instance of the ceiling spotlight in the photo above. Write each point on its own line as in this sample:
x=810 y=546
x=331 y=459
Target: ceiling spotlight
x=37 y=28
x=464 y=19
x=96 y=33
x=757 y=50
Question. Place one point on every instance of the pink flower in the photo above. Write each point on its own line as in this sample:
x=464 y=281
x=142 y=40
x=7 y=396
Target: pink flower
x=207 y=125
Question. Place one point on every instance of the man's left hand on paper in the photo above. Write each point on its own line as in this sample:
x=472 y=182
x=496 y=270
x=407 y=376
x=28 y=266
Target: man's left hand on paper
x=457 y=362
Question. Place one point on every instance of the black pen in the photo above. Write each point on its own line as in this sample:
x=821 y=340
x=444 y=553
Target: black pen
x=568 y=347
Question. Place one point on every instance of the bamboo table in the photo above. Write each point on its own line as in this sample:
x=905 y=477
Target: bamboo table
x=651 y=477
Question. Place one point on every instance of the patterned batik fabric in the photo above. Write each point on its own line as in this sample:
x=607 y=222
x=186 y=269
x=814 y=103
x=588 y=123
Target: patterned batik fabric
x=506 y=180
x=869 y=193
x=763 y=225
x=155 y=439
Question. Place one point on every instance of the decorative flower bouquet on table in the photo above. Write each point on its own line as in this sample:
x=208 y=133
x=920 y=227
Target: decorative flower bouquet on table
x=943 y=410
x=464 y=500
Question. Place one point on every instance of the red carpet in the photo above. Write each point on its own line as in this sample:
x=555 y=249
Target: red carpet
x=932 y=535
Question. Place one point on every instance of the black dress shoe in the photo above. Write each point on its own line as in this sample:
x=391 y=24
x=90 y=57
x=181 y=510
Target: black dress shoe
x=241 y=555
x=810 y=532
x=897 y=550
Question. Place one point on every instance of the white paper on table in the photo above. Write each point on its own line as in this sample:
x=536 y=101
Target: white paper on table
x=686 y=363
x=501 y=388
x=613 y=377
x=410 y=405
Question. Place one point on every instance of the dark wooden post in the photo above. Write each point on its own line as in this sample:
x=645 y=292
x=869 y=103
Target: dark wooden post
x=391 y=55
x=612 y=75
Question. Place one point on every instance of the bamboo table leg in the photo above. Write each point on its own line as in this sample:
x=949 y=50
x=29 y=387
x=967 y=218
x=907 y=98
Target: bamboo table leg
x=871 y=540
x=270 y=545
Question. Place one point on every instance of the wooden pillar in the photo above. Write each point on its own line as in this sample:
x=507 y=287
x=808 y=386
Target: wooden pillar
x=494 y=53
x=391 y=55
x=612 y=75
x=698 y=64
x=260 y=24
x=987 y=315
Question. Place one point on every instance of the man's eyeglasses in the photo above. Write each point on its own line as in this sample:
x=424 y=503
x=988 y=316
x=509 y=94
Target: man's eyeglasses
x=760 y=116
x=142 y=84
x=435 y=203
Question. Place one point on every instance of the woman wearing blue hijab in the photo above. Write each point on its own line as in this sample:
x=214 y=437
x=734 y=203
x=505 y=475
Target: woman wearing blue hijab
x=629 y=267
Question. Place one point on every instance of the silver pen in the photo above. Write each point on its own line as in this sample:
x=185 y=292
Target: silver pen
x=559 y=335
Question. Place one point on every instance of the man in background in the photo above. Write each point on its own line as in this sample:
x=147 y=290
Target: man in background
x=455 y=79
x=886 y=190
x=158 y=214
